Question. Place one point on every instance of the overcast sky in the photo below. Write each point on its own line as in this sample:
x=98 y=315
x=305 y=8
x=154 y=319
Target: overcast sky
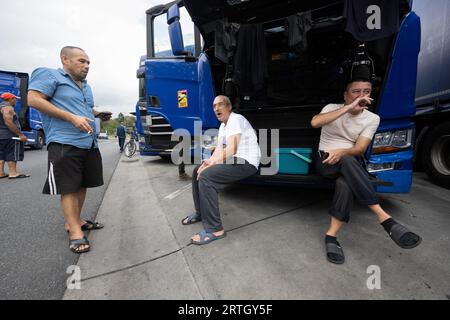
x=111 y=32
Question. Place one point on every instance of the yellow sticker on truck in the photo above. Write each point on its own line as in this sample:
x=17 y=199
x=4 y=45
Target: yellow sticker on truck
x=182 y=99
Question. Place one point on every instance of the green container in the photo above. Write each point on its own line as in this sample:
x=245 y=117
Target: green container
x=293 y=160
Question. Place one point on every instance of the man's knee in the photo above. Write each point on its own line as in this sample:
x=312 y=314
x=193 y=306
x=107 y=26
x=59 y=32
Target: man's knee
x=342 y=186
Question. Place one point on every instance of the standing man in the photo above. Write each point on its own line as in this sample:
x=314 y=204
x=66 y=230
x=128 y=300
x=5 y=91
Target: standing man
x=347 y=131
x=74 y=161
x=11 y=150
x=236 y=157
x=121 y=133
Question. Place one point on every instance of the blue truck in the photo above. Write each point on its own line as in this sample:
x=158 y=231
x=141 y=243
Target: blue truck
x=432 y=118
x=297 y=82
x=30 y=119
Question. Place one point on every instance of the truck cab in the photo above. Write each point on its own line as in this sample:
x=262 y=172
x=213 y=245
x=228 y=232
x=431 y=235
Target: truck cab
x=29 y=118
x=279 y=75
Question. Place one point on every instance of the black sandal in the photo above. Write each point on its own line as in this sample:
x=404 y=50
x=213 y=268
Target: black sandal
x=334 y=250
x=89 y=225
x=399 y=232
x=75 y=244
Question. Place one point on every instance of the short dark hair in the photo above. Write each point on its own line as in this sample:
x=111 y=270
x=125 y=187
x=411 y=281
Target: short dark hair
x=351 y=81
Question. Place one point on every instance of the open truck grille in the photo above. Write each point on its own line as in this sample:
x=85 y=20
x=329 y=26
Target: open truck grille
x=158 y=133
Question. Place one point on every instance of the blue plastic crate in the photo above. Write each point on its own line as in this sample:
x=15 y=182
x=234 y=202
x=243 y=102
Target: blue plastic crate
x=293 y=160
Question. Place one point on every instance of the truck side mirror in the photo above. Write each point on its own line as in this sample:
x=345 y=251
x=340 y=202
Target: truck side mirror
x=175 y=32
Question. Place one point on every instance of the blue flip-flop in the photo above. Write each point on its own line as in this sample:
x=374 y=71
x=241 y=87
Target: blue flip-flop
x=211 y=237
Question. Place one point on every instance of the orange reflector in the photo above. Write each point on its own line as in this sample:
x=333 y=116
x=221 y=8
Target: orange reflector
x=385 y=150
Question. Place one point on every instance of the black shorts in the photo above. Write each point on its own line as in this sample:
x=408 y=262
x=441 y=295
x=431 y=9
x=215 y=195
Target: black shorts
x=71 y=169
x=11 y=150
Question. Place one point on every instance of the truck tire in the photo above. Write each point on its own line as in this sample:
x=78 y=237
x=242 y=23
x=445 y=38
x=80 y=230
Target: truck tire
x=40 y=140
x=436 y=154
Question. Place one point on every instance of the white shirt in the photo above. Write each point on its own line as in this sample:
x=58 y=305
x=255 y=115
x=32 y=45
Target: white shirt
x=248 y=148
x=344 y=131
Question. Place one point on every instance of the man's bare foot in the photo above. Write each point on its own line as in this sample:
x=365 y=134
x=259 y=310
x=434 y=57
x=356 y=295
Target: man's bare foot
x=79 y=248
x=196 y=238
x=82 y=223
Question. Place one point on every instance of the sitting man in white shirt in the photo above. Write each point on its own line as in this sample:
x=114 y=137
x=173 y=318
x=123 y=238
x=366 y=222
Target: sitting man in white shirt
x=347 y=131
x=236 y=157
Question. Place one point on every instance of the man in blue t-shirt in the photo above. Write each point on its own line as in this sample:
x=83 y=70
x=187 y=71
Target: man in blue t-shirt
x=74 y=161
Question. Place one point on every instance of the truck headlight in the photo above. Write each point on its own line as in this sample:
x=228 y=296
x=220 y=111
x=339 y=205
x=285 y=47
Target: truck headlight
x=392 y=141
x=372 y=168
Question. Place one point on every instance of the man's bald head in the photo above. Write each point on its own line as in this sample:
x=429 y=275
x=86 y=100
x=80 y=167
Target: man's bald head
x=75 y=62
x=69 y=51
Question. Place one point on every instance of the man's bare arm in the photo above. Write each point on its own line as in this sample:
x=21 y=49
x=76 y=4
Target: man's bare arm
x=8 y=116
x=359 y=149
x=229 y=151
x=40 y=102
x=220 y=155
x=323 y=119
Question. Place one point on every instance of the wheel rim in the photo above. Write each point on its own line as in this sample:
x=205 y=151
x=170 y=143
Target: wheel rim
x=439 y=157
x=130 y=149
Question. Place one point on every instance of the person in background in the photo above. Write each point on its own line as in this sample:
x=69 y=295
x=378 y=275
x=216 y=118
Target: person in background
x=11 y=138
x=121 y=134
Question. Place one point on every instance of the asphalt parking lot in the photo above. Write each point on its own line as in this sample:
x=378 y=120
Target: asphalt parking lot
x=274 y=248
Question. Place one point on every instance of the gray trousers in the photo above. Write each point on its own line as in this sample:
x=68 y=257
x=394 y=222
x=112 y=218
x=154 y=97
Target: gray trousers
x=352 y=182
x=206 y=190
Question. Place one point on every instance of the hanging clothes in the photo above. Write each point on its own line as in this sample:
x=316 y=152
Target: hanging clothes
x=225 y=39
x=250 y=62
x=298 y=25
x=369 y=20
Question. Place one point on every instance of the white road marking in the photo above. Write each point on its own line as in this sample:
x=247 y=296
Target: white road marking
x=178 y=192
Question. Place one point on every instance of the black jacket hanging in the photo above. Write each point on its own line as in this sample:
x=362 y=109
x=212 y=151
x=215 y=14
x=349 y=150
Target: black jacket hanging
x=250 y=64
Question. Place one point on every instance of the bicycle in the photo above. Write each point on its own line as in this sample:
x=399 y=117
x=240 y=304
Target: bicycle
x=131 y=146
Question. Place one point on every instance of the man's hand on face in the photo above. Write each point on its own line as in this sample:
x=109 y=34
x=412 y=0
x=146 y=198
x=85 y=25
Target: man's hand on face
x=334 y=156
x=82 y=123
x=361 y=103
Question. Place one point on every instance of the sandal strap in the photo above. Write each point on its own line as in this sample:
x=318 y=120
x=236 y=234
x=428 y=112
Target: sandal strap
x=334 y=248
x=79 y=242
x=397 y=231
x=90 y=225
